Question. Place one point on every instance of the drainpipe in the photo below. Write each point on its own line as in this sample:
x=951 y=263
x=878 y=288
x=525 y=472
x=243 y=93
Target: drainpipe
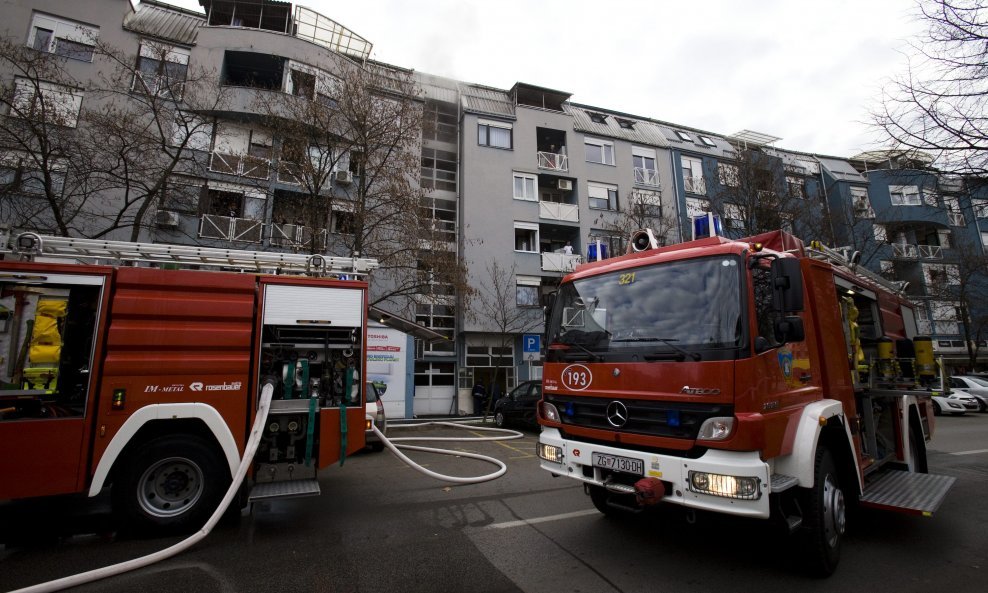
x=675 y=189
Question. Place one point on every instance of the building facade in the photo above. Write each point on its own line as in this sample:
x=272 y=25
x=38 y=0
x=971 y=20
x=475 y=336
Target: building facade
x=519 y=185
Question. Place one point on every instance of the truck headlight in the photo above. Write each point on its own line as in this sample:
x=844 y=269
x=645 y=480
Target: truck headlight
x=716 y=429
x=550 y=452
x=550 y=412
x=742 y=487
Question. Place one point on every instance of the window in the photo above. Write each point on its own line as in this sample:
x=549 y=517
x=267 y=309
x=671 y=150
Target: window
x=684 y=136
x=860 y=204
x=796 y=187
x=161 y=70
x=435 y=374
x=980 y=208
x=728 y=175
x=439 y=122
x=879 y=232
x=181 y=194
x=887 y=269
x=602 y=197
x=193 y=130
x=766 y=314
x=627 y=124
x=904 y=195
x=494 y=134
x=696 y=207
x=732 y=216
x=599 y=151
x=611 y=245
x=693 y=175
x=438 y=169
x=62 y=37
x=708 y=141
x=647 y=203
x=931 y=197
x=51 y=103
x=525 y=186
x=598 y=118
x=442 y=214
x=526 y=237
x=441 y=318
x=643 y=160
x=984 y=239
x=527 y=291
x=22 y=176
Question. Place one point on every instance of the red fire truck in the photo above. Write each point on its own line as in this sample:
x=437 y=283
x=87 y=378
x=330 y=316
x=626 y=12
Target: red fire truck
x=143 y=377
x=757 y=377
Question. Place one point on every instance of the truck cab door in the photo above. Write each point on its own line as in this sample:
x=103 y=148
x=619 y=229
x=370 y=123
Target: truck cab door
x=49 y=340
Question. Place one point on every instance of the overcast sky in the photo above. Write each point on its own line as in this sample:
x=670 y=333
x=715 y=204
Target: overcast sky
x=804 y=70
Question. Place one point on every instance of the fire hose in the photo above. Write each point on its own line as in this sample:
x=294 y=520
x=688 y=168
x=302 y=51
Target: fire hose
x=257 y=429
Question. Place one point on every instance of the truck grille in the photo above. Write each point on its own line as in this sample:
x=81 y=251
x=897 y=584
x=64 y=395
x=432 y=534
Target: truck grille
x=651 y=418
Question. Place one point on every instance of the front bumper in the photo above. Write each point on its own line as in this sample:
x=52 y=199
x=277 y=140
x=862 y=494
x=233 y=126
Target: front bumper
x=576 y=463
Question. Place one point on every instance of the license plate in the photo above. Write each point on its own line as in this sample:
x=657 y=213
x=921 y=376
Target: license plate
x=619 y=464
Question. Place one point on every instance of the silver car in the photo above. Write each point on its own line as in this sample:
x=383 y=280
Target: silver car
x=975 y=387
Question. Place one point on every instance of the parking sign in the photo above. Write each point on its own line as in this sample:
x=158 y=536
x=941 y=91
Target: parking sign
x=531 y=346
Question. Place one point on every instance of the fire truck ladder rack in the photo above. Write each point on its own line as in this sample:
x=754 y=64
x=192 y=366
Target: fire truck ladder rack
x=819 y=251
x=29 y=245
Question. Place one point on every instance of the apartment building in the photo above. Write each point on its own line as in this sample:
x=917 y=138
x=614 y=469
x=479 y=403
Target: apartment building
x=523 y=177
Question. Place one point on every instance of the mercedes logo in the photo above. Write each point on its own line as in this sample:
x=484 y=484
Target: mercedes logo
x=617 y=414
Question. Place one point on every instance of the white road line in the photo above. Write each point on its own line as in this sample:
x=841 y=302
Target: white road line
x=975 y=452
x=508 y=524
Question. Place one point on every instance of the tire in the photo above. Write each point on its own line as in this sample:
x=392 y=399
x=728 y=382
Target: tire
x=499 y=419
x=936 y=408
x=825 y=517
x=171 y=484
x=376 y=447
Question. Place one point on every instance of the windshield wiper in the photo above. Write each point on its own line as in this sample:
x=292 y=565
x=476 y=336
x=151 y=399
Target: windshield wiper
x=581 y=339
x=667 y=341
x=593 y=355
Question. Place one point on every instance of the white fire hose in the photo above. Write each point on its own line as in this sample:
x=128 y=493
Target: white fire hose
x=263 y=407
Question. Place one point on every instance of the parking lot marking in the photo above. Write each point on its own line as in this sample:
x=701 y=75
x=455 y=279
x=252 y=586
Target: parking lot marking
x=546 y=519
x=974 y=452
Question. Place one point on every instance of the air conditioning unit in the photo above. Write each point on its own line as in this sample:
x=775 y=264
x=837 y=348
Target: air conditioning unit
x=344 y=177
x=166 y=218
x=564 y=184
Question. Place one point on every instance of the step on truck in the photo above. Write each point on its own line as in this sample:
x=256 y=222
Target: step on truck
x=758 y=377
x=122 y=368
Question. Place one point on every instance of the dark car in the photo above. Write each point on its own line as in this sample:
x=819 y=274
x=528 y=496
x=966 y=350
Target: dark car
x=375 y=409
x=519 y=405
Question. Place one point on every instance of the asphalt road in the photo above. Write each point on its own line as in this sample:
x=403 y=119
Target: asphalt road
x=382 y=527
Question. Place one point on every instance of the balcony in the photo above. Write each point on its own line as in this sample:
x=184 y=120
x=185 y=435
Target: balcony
x=213 y=226
x=241 y=165
x=906 y=251
x=296 y=236
x=560 y=262
x=551 y=161
x=956 y=219
x=938 y=328
x=559 y=211
x=695 y=185
x=646 y=176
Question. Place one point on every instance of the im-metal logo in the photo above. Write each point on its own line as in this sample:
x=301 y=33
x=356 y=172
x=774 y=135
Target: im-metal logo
x=617 y=414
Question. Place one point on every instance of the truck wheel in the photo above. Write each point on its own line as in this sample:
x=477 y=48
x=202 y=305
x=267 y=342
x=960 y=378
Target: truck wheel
x=499 y=418
x=172 y=484
x=826 y=517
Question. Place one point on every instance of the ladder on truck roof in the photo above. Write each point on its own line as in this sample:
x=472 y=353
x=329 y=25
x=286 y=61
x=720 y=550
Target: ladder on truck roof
x=819 y=251
x=29 y=245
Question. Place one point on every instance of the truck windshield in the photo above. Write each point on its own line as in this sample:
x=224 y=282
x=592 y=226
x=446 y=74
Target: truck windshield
x=671 y=311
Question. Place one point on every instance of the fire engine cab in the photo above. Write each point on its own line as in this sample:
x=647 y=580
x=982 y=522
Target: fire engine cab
x=758 y=377
x=139 y=370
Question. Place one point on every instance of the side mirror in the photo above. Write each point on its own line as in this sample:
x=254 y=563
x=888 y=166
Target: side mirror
x=787 y=285
x=789 y=329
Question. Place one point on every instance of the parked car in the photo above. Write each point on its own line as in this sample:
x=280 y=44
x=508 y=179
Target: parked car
x=375 y=409
x=976 y=387
x=945 y=405
x=519 y=405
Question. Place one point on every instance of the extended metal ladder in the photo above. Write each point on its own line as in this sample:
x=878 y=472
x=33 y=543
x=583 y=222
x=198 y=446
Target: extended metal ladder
x=30 y=245
x=819 y=251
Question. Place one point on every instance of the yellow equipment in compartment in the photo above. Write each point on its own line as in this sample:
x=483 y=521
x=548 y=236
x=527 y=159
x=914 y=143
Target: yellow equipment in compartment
x=45 y=351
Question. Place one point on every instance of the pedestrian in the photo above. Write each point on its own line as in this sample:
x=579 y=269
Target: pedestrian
x=479 y=394
x=568 y=248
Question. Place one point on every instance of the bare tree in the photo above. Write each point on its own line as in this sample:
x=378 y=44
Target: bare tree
x=757 y=193
x=495 y=309
x=962 y=281
x=98 y=166
x=643 y=210
x=940 y=104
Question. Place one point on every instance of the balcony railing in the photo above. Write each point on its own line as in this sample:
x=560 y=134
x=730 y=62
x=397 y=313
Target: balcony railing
x=297 y=236
x=559 y=211
x=213 y=226
x=695 y=185
x=956 y=218
x=646 y=176
x=553 y=161
x=904 y=251
x=159 y=85
x=938 y=328
x=243 y=165
x=930 y=251
x=560 y=262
